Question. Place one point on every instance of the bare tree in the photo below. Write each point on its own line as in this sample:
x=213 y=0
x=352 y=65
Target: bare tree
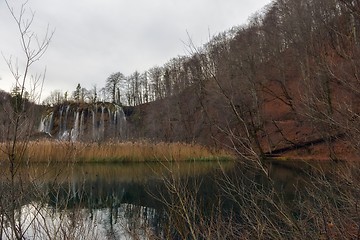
x=156 y=82
x=21 y=113
x=55 y=97
x=113 y=84
x=93 y=94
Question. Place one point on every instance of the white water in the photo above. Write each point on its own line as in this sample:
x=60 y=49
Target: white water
x=46 y=123
x=85 y=123
x=75 y=129
x=60 y=120
x=82 y=123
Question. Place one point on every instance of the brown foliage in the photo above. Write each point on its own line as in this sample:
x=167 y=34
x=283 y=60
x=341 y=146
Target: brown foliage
x=287 y=80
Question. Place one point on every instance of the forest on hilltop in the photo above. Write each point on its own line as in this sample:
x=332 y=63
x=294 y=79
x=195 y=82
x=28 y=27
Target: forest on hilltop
x=286 y=83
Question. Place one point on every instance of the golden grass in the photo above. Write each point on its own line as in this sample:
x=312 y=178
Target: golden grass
x=142 y=151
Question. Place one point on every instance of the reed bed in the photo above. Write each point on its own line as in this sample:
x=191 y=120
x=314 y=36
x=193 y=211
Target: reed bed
x=142 y=151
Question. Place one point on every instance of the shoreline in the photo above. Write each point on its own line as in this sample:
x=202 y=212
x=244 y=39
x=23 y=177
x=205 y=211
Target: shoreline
x=46 y=151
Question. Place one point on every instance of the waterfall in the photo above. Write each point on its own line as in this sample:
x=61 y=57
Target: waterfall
x=110 y=116
x=65 y=134
x=102 y=122
x=51 y=123
x=117 y=122
x=115 y=117
x=85 y=122
x=42 y=125
x=60 y=118
x=93 y=124
x=46 y=123
x=81 y=134
x=109 y=128
x=121 y=122
x=75 y=131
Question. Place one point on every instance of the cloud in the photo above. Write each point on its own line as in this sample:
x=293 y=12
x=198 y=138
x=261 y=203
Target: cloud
x=95 y=38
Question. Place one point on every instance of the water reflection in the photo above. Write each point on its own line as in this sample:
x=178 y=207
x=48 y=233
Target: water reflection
x=126 y=221
x=124 y=201
x=94 y=201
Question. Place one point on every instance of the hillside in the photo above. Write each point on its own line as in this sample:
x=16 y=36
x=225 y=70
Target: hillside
x=286 y=85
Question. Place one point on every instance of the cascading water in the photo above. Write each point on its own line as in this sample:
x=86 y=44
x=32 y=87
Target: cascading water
x=64 y=135
x=120 y=121
x=85 y=122
x=75 y=131
x=82 y=123
x=94 y=133
x=46 y=123
x=102 y=122
x=60 y=122
x=108 y=128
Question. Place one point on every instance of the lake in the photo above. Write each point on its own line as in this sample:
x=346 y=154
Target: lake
x=128 y=201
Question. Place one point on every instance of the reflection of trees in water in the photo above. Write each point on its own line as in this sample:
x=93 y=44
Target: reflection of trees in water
x=130 y=205
x=151 y=207
x=76 y=208
x=97 y=195
x=125 y=204
x=70 y=201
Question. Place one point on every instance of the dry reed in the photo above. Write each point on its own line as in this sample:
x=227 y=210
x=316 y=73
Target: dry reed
x=142 y=151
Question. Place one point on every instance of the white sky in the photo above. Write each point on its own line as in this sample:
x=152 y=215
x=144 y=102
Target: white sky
x=94 y=38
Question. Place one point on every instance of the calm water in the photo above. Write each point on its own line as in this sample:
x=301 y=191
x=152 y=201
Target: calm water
x=114 y=201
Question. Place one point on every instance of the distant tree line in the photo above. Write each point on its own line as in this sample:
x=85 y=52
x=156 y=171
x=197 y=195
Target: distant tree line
x=300 y=55
x=293 y=66
x=138 y=88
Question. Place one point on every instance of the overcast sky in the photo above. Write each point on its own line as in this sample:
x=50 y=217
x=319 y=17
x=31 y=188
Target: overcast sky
x=94 y=38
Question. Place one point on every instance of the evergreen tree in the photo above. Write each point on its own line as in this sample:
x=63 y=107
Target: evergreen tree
x=77 y=93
